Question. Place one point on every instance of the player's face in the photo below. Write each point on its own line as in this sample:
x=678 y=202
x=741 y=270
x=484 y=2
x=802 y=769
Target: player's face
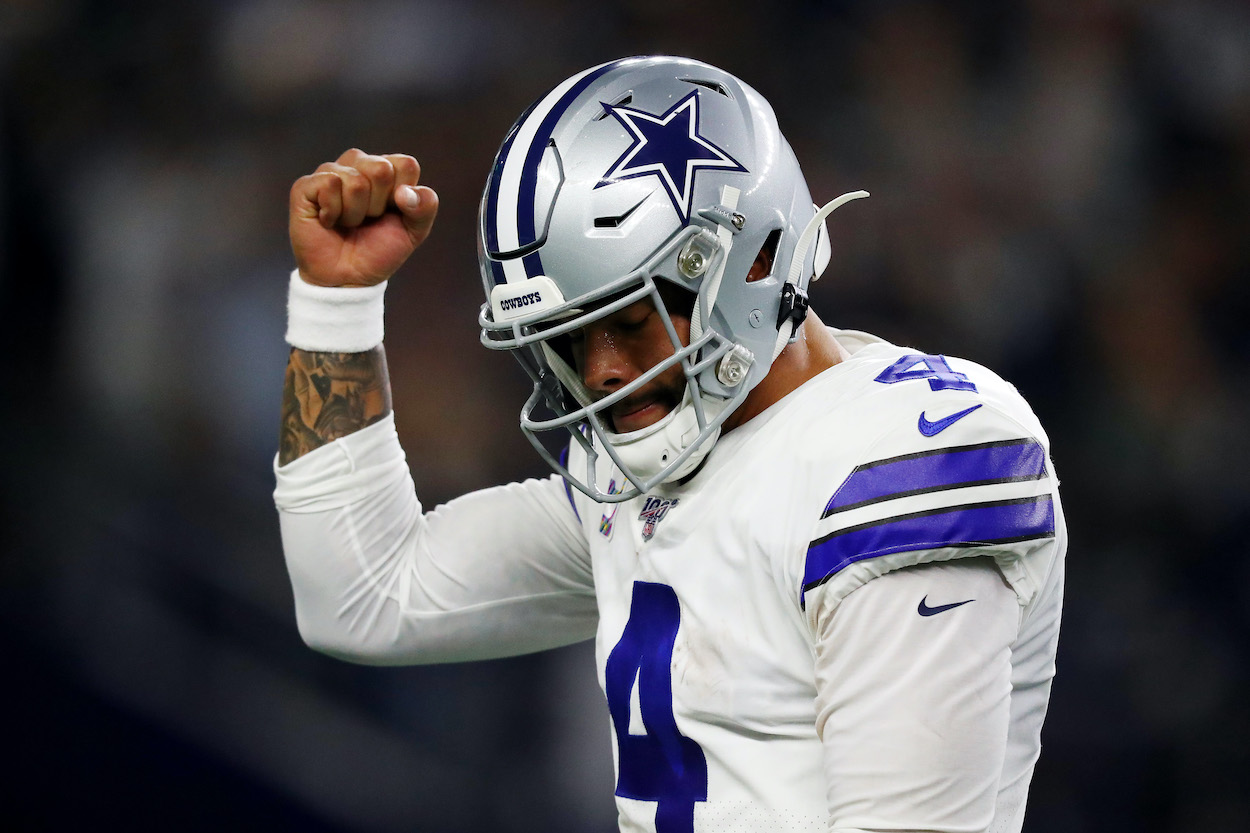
x=617 y=349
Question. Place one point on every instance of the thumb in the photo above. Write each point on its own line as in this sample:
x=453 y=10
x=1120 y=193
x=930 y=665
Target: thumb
x=418 y=205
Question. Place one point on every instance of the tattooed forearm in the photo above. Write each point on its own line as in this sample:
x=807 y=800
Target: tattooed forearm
x=330 y=395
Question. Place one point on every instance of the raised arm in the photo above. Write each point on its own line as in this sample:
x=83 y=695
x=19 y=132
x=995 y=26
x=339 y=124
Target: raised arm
x=375 y=578
x=353 y=223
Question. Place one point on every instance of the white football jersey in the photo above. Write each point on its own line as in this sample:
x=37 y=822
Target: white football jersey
x=711 y=593
x=845 y=620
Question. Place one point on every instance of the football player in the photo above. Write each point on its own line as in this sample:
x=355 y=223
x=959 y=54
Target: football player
x=823 y=572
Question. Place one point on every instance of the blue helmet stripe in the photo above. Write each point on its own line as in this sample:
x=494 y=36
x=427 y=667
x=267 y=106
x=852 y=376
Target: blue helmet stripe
x=492 y=194
x=525 y=224
x=533 y=265
x=529 y=172
x=496 y=271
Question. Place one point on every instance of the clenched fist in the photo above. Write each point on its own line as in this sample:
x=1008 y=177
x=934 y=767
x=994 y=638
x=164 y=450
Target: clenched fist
x=357 y=219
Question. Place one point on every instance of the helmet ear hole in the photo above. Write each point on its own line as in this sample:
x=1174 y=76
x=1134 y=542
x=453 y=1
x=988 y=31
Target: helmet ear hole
x=763 y=265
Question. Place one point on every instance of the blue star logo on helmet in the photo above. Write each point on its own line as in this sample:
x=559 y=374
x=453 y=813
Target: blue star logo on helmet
x=668 y=147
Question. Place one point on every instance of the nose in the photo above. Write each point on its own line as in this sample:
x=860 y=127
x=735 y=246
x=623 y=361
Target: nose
x=605 y=365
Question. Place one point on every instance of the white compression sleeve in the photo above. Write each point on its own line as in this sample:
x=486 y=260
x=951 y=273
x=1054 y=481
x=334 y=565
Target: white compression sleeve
x=498 y=572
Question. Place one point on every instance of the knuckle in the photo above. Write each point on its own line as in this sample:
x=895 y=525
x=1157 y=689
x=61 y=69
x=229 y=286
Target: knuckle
x=328 y=182
x=353 y=181
x=405 y=165
x=313 y=186
x=376 y=167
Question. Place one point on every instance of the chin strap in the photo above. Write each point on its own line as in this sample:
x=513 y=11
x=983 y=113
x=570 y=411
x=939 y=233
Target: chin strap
x=794 y=302
x=729 y=200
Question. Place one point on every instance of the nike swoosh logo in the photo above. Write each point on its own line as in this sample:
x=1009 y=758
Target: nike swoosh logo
x=924 y=610
x=932 y=429
x=615 y=222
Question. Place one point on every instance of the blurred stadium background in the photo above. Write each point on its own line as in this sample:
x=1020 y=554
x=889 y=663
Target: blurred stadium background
x=1059 y=191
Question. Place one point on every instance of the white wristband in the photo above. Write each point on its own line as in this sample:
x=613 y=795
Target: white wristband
x=334 y=319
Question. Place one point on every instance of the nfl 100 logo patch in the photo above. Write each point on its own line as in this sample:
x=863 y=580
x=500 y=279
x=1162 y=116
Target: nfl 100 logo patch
x=653 y=511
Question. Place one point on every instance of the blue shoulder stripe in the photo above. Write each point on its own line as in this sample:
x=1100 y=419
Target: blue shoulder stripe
x=1006 y=461
x=970 y=525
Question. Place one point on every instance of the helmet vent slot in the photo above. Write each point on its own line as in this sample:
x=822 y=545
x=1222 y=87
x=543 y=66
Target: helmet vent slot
x=620 y=102
x=714 y=86
x=615 y=222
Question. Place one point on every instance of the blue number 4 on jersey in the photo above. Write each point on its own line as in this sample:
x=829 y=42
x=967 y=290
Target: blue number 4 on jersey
x=662 y=765
x=934 y=368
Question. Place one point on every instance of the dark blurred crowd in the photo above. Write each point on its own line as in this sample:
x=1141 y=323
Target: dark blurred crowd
x=1059 y=191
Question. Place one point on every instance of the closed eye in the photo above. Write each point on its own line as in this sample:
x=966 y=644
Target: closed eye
x=633 y=323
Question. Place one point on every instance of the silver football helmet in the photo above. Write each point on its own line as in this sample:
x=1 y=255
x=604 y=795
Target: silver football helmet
x=633 y=173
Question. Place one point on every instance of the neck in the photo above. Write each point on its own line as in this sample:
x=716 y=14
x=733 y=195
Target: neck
x=812 y=353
